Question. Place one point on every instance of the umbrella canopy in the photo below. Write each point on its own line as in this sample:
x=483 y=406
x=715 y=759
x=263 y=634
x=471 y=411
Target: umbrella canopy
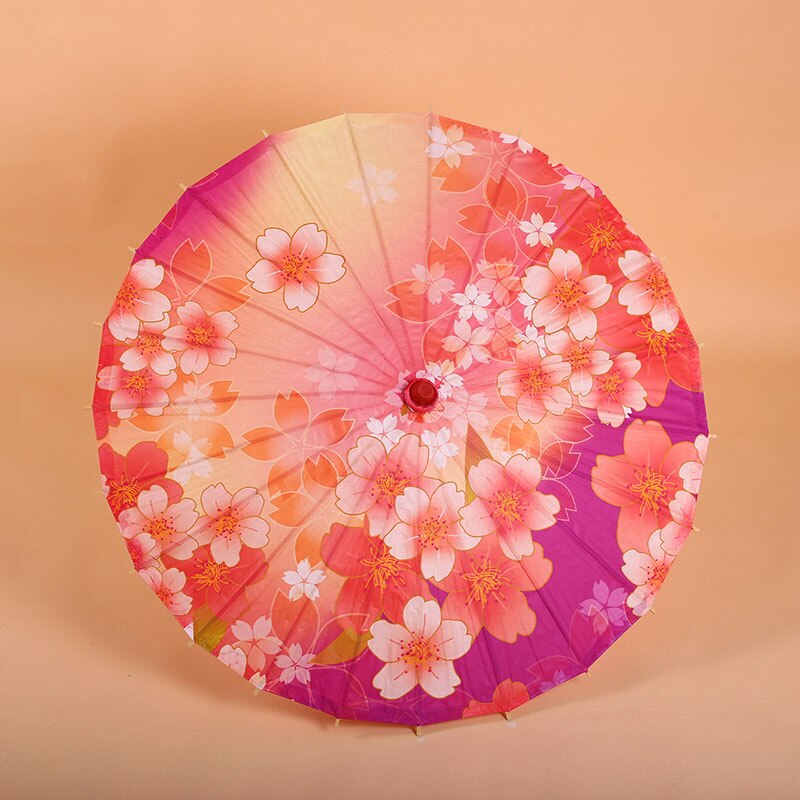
x=399 y=418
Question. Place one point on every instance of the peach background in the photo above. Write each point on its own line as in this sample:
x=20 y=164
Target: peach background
x=681 y=111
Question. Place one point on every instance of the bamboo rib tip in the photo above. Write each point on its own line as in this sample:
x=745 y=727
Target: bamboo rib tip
x=183 y=186
x=651 y=610
x=86 y=408
x=418 y=730
x=131 y=248
x=713 y=436
x=701 y=344
x=336 y=722
x=507 y=714
x=266 y=133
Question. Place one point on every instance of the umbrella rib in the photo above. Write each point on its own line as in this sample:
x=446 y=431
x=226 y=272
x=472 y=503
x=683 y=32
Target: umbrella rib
x=378 y=230
x=277 y=317
x=190 y=190
x=354 y=274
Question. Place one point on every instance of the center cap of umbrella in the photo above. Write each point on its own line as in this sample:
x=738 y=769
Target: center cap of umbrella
x=420 y=394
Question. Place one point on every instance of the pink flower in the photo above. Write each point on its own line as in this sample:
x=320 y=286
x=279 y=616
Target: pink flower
x=201 y=338
x=469 y=344
x=649 y=291
x=166 y=525
x=256 y=641
x=295 y=665
x=585 y=360
x=647 y=571
x=449 y=145
x=420 y=652
x=304 y=581
x=692 y=471
x=167 y=587
x=486 y=589
x=616 y=392
x=509 y=504
x=143 y=389
x=563 y=298
x=605 y=607
x=642 y=481
x=675 y=533
x=147 y=350
x=297 y=264
x=234 y=658
x=431 y=282
x=430 y=527
x=137 y=302
x=377 y=478
x=230 y=521
x=536 y=383
x=140 y=549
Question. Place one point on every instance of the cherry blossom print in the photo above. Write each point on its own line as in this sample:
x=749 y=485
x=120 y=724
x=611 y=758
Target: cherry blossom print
x=507 y=696
x=499 y=278
x=378 y=477
x=230 y=521
x=201 y=338
x=233 y=658
x=303 y=581
x=642 y=481
x=165 y=524
x=432 y=282
x=472 y=303
x=647 y=571
x=439 y=446
x=430 y=528
x=572 y=181
x=486 y=589
x=585 y=358
x=508 y=504
x=616 y=393
x=692 y=471
x=537 y=231
x=147 y=350
x=140 y=548
x=255 y=641
x=297 y=441
x=137 y=300
x=677 y=530
x=295 y=665
x=606 y=606
x=376 y=582
x=126 y=477
x=449 y=145
x=564 y=297
x=143 y=390
x=525 y=147
x=374 y=185
x=468 y=344
x=296 y=263
x=333 y=373
x=215 y=584
x=385 y=430
x=420 y=652
x=167 y=587
x=194 y=458
x=649 y=291
x=536 y=383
